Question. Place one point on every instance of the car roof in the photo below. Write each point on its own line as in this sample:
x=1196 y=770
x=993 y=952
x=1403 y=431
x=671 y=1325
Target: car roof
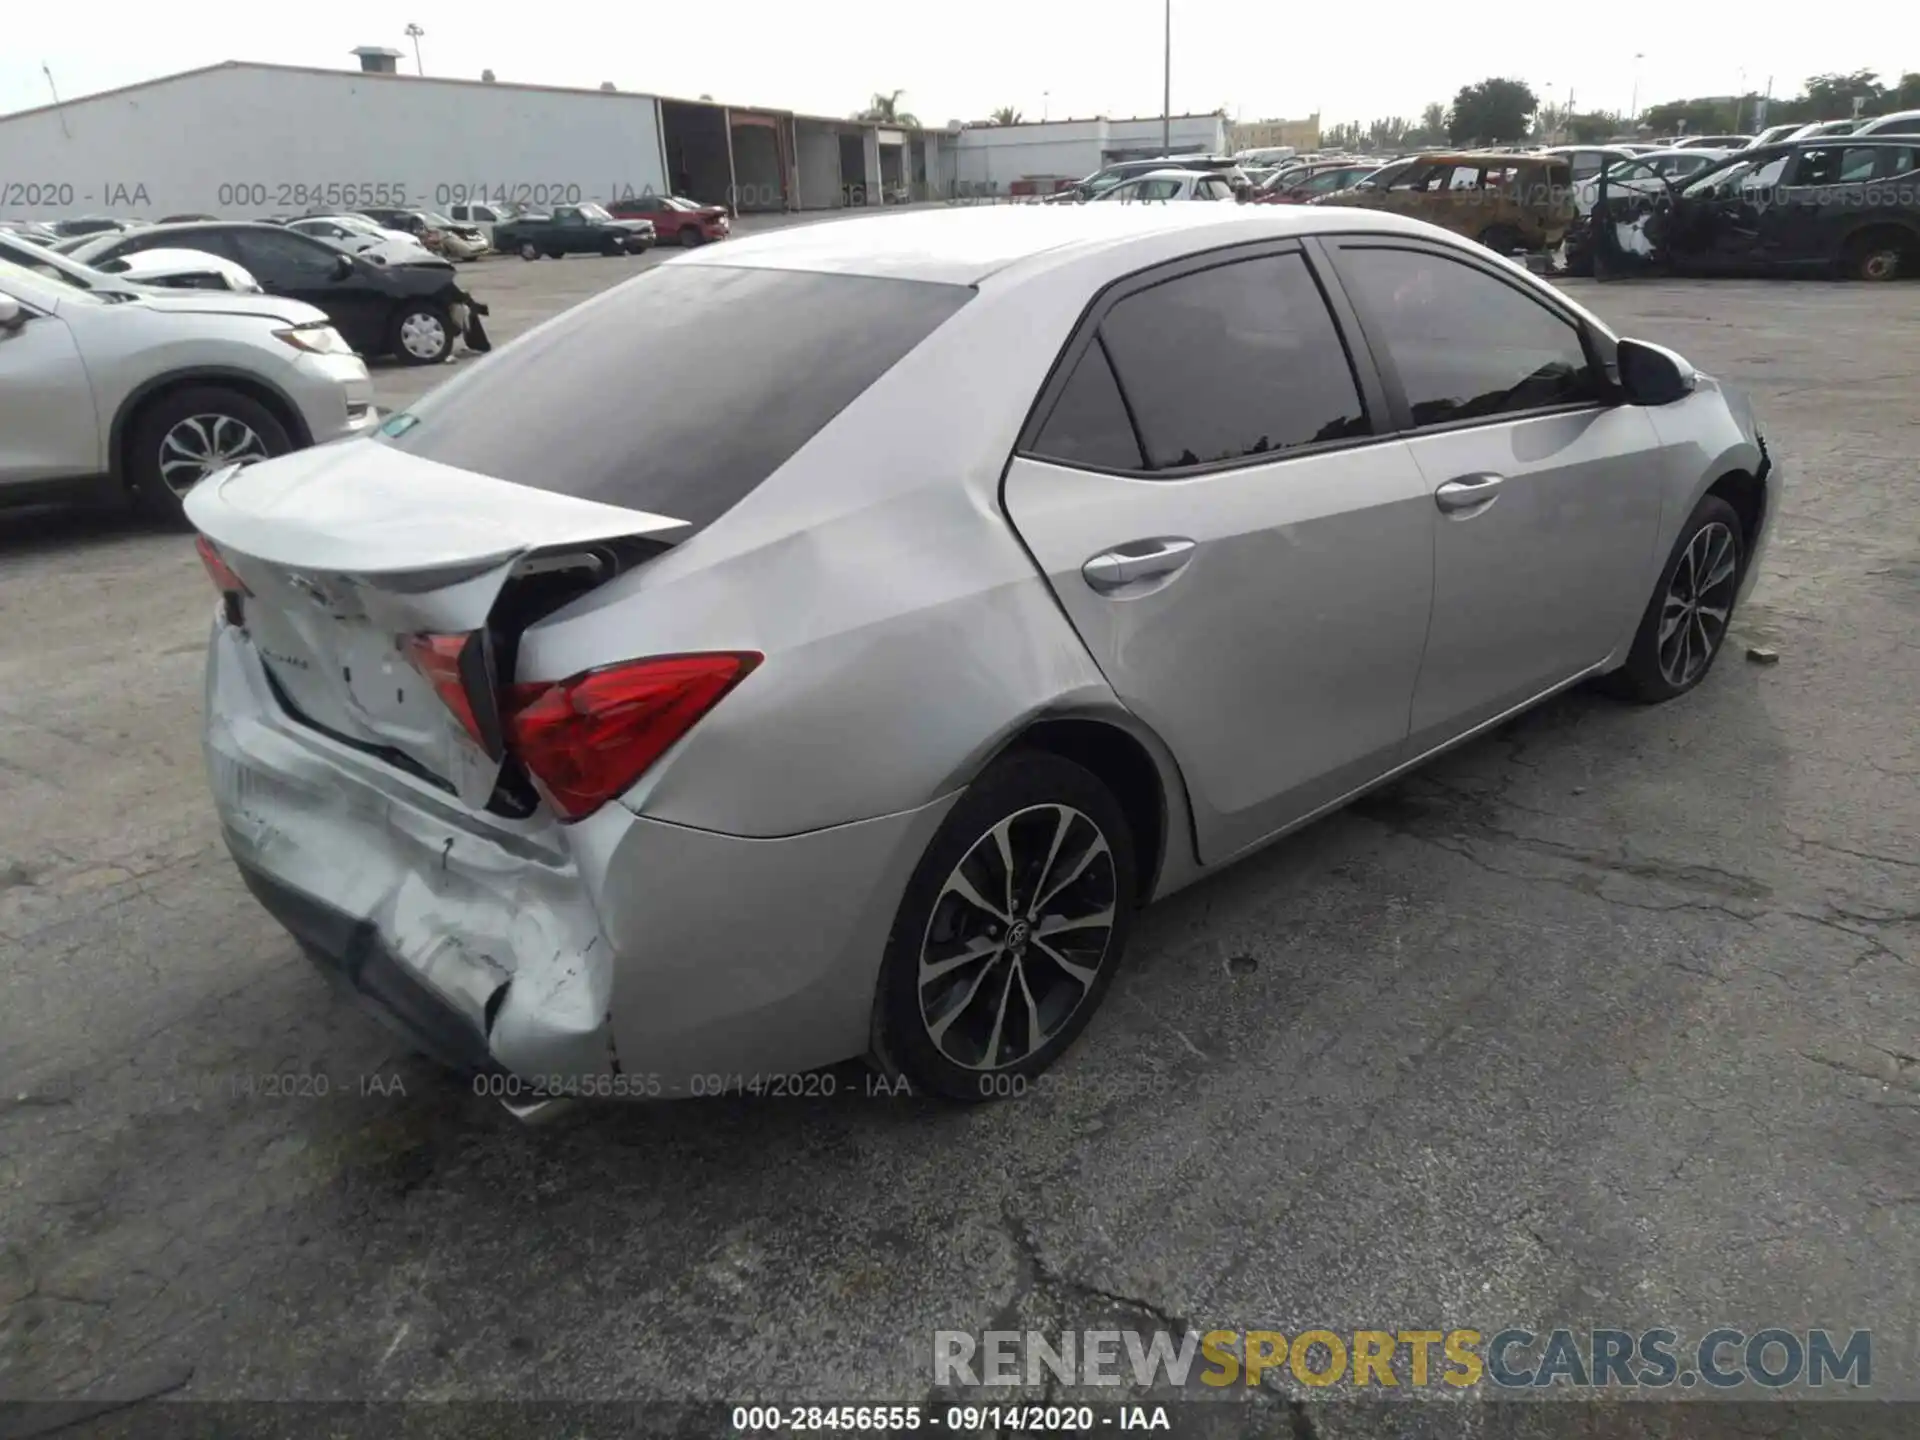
x=966 y=245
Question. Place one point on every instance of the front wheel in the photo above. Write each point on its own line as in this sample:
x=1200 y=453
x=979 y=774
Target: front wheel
x=1686 y=621
x=1876 y=256
x=529 y=250
x=422 y=333
x=690 y=236
x=1009 y=933
x=187 y=435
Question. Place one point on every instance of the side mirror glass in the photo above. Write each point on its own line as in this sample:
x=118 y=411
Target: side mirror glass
x=343 y=266
x=1652 y=374
x=12 y=317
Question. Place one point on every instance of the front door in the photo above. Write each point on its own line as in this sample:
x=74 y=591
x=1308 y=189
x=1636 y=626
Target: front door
x=1243 y=549
x=1543 y=495
x=49 y=427
x=302 y=268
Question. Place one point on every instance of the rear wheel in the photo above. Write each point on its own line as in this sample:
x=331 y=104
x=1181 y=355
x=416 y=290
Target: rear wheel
x=422 y=333
x=1009 y=933
x=1686 y=621
x=529 y=250
x=187 y=435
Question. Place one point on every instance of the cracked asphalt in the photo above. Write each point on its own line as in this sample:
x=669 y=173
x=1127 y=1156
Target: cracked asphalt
x=1612 y=1018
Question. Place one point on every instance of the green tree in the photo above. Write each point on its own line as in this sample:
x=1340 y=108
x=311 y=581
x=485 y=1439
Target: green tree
x=1492 y=112
x=1594 y=126
x=1702 y=117
x=1433 y=124
x=885 y=109
x=1832 y=96
x=1905 y=95
x=1005 y=115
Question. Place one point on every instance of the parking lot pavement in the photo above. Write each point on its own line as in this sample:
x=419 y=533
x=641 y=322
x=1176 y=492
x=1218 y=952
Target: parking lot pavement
x=1607 y=1019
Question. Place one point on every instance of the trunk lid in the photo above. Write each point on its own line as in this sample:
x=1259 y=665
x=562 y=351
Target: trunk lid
x=350 y=551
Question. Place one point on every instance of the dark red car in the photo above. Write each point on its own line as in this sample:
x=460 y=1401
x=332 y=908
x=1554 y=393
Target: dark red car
x=686 y=221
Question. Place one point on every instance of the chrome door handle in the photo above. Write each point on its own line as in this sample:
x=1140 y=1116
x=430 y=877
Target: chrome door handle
x=1139 y=560
x=1467 y=492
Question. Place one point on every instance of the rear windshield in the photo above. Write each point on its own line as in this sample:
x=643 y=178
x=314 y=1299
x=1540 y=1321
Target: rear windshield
x=679 y=391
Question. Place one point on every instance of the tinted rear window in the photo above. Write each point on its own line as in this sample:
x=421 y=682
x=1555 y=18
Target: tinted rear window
x=679 y=391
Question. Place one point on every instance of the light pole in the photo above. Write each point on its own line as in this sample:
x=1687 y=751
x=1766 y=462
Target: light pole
x=1166 y=91
x=1046 y=104
x=1633 y=111
x=414 y=32
x=1740 y=101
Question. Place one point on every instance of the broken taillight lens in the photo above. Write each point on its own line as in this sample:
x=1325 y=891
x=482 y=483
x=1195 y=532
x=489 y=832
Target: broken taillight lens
x=224 y=580
x=438 y=659
x=588 y=739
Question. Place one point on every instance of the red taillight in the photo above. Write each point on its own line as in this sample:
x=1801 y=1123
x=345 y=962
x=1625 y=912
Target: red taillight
x=437 y=657
x=224 y=580
x=589 y=738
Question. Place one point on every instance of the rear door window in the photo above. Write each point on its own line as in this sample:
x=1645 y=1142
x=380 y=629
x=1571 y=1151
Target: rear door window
x=762 y=360
x=1233 y=361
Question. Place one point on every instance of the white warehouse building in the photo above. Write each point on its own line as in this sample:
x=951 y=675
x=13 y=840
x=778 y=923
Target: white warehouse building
x=1034 y=155
x=242 y=140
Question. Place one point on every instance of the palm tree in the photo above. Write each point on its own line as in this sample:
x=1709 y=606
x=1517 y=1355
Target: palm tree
x=1005 y=115
x=885 y=109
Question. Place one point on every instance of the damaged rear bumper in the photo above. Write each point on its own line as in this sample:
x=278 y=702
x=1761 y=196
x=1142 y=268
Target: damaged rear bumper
x=622 y=955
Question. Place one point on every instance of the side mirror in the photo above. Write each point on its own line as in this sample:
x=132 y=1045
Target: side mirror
x=1652 y=374
x=343 y=265
x=12 y=317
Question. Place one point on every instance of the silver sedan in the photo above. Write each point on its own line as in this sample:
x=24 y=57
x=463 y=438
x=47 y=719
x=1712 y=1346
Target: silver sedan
x=970 y=580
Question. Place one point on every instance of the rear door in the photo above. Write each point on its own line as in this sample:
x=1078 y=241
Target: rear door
x=1246 y=557
x=1542 y=494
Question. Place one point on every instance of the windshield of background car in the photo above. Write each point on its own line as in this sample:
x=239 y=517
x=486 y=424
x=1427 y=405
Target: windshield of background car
x=594 y=212
x=1759 y=173
x=762 y=360
x=35 y=280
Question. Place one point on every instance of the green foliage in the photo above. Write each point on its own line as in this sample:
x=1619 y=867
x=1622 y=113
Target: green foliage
x=885 y=109
x=1493 y=112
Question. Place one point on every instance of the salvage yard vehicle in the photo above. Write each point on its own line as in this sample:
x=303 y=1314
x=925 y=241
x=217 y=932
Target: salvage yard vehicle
x=688 y=221
x=1104 y=179
x=138 y=392
x=360 y=236
x=412 y=312
x=1163 y=185
x=594 y=732
x=446 y=237
x=572 y=230
x=1846 y=206
x=1506 y=202
x=1301 y=183
x=183 y=269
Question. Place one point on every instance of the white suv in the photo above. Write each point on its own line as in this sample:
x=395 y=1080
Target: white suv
x=107 y=383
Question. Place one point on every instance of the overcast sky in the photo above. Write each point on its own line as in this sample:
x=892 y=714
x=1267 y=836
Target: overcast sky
x=962 y=60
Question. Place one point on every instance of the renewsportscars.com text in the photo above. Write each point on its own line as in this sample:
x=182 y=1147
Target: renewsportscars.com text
x=1511 y=1359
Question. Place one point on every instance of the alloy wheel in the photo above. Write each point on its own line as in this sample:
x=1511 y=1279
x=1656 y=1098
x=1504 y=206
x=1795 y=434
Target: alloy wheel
x=1693 y=617
x=201 y=444
x=423 y=334
x=1017 y=937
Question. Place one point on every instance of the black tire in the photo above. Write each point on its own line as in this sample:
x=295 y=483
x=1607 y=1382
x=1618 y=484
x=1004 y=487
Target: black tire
x=1501 y=239
x=1878 y=255
x=1033 y=791
x=216 y=407
x=413 y=313
x=529 y=250
x=690 y=236
x=1643 y=678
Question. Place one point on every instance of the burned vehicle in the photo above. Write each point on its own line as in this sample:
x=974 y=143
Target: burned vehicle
x=1506 y=202
x=1844 y=206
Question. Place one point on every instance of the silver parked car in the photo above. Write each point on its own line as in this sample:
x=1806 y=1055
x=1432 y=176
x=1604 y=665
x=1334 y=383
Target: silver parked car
x=973 y=578
x=109 y=384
